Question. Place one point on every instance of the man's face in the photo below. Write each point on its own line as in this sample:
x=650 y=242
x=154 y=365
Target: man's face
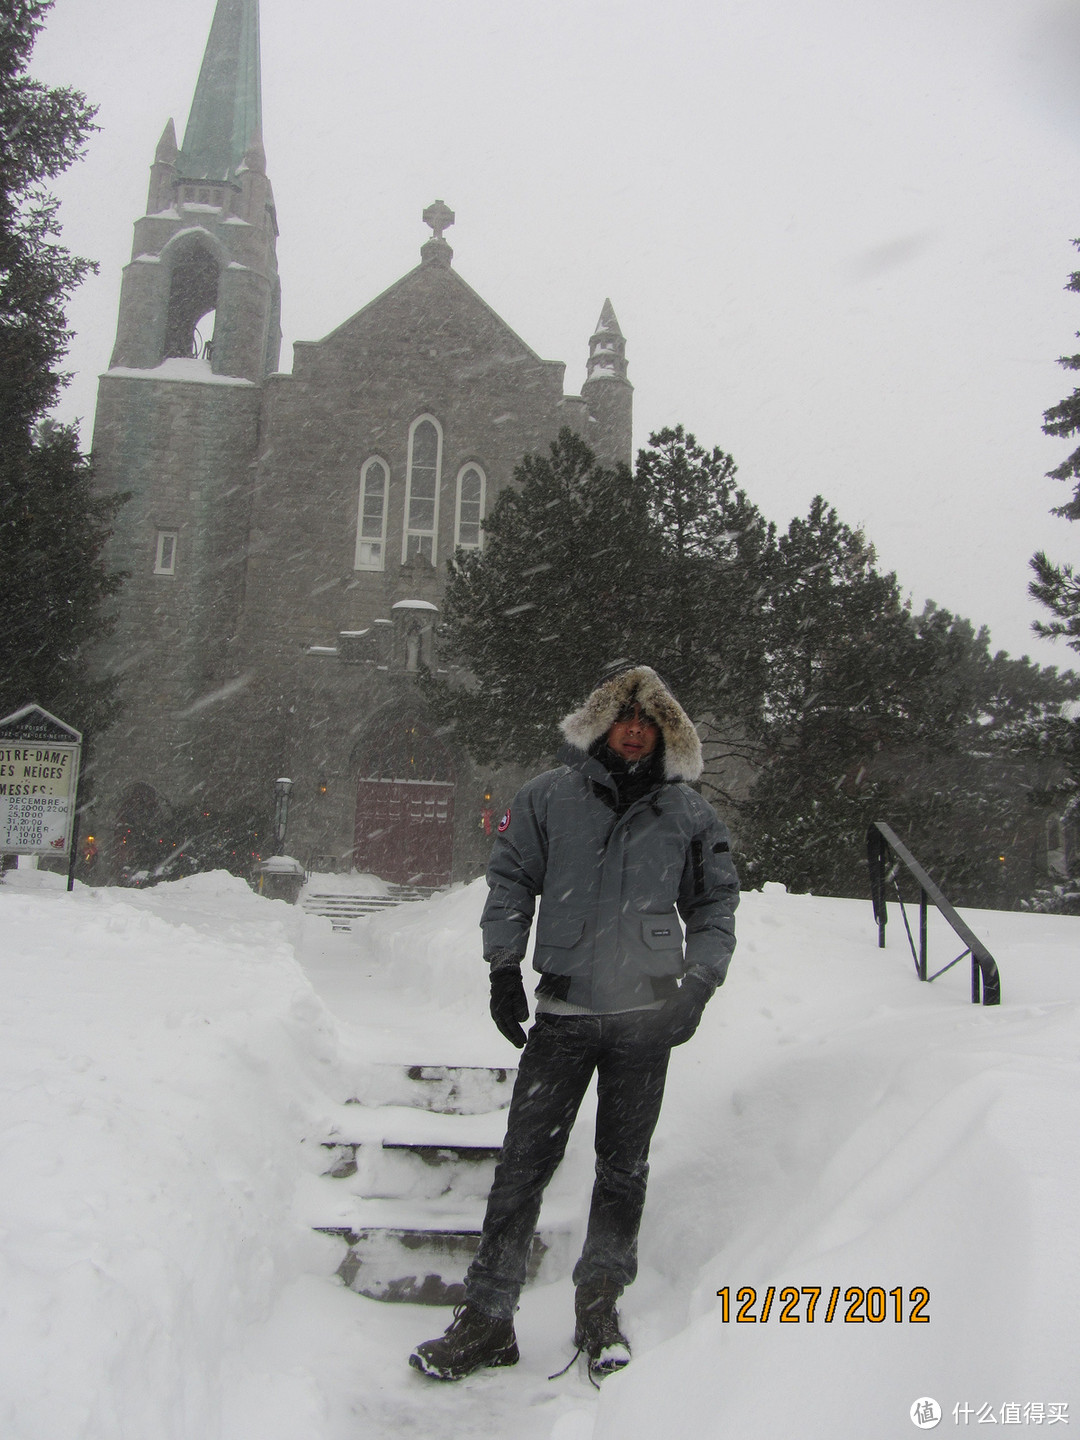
x=634 y=734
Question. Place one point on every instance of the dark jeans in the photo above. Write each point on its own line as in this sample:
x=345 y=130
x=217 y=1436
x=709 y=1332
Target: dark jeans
x=556 y=1066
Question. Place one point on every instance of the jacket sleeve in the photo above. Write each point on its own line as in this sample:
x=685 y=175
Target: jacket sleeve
x=515 y=873
x=708 y=897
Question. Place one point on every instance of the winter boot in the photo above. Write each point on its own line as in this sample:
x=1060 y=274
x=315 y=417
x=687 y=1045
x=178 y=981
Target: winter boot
x=472 y=1341
x=597 y=1330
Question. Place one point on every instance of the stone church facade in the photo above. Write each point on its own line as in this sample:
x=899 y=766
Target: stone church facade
x=287 y=533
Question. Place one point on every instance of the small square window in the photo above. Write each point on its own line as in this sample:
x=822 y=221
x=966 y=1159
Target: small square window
x=165 y=559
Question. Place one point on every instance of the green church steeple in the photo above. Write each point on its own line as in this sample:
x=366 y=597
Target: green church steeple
x=226 y=113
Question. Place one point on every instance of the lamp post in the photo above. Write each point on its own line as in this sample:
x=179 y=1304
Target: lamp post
x=282 y=787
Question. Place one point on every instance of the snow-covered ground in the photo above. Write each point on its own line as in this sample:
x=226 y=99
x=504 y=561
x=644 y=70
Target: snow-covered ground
x=170 y=1061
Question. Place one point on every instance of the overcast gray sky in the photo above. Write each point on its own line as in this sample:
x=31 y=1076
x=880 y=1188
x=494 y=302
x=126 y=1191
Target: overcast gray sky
x=835 y=232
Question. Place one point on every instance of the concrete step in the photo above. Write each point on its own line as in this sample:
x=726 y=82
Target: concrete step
x=416 y=1268
x=447 y=1089
x=399 y=1150
x=417 y=1252
x=342 y=908
x=383 y=1171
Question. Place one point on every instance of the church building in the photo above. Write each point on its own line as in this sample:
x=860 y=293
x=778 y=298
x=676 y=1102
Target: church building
x=287 y=533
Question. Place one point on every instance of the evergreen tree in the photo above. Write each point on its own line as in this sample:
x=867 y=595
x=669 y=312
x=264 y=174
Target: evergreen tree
x=52 y=529
x=978 y=700
x=705 y=603
x=971 y=784
x=1057 y=586
x=878 y=715
x=42 y=132
x=558 y=591
x=53 y=580
x=1056 y=739
x=839 y=647
x=1064 y=420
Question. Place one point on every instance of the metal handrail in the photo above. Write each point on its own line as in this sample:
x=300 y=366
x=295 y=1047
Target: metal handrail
x=880 y=839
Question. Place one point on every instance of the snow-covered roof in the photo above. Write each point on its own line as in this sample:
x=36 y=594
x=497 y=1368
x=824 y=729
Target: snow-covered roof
x=281 y=865
x=414 y=605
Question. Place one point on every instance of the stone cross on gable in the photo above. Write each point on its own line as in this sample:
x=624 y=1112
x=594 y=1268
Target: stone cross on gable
x=440 y=217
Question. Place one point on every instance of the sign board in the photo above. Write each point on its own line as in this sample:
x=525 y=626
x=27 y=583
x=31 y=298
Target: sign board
x=39 y=778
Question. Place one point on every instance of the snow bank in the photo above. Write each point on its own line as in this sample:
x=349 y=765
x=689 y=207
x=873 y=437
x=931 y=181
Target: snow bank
x=162 y=1063
x=431 y=954
x=853 y=1128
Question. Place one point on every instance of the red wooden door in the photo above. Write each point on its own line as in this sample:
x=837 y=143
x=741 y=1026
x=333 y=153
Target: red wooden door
x=405 y=830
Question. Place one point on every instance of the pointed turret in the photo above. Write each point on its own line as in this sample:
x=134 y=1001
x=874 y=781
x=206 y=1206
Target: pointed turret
x=226 y=113
x=167 y=148
x=607 y=392
x=163 y=172
x=607 y=348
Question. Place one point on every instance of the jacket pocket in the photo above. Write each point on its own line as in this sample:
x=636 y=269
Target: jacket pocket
x=661 y=948
x=557 y=935
x=563 y=931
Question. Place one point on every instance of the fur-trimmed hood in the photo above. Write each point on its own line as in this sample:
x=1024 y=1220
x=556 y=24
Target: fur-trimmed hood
x=640 y=684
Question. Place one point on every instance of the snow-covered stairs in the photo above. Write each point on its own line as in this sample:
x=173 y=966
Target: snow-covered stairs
x=341 y=908
x=409 y=1173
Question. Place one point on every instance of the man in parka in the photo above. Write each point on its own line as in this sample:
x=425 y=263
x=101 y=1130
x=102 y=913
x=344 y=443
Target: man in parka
x=618 y=846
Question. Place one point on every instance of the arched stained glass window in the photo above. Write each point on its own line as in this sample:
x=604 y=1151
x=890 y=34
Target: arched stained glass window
x=371 y=519
x=471 y=486
x=422 y=493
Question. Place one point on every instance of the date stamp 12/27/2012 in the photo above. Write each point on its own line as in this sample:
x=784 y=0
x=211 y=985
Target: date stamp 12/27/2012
x=855 y=1305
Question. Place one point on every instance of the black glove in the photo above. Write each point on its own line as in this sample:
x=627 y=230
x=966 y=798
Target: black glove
x=680 y=1017
x=508 y=1003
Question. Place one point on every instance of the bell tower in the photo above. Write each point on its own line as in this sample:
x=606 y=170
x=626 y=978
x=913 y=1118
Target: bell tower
x=177 y=422
x=202 y=282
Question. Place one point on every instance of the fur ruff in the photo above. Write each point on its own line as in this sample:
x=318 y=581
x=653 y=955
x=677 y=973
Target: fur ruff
x=682 y=748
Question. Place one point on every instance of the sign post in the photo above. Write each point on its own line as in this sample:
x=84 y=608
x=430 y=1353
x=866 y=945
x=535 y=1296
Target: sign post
x=39 y=781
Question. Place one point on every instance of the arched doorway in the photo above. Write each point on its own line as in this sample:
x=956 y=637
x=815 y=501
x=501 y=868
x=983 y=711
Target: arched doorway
x=405 y=804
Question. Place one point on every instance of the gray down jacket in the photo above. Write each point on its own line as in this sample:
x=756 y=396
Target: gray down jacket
x=612 y=889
